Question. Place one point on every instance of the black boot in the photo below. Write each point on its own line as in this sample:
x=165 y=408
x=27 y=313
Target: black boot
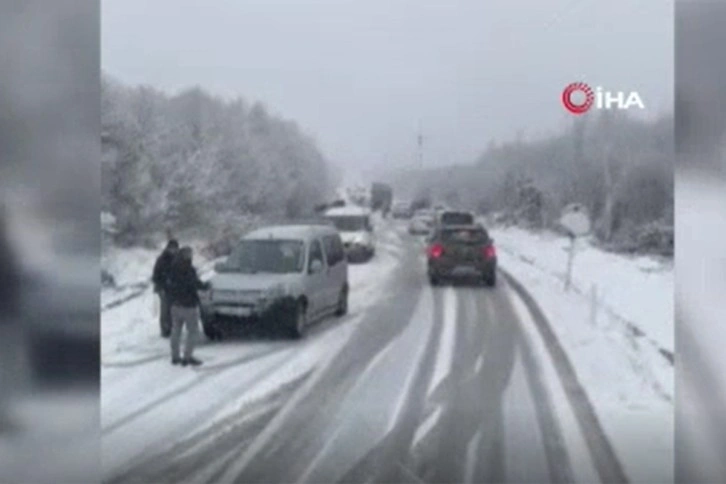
x=177 y=361
x=191 y=361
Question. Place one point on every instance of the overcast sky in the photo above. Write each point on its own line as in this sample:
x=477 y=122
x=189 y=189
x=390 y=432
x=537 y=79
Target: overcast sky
x=360 y=75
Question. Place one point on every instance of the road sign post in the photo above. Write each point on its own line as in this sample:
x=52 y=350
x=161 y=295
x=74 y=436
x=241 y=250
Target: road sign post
x=576 y=222
x=570 y=263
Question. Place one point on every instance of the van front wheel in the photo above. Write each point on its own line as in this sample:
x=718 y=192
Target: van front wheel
x=299 y=321
x=342 y=309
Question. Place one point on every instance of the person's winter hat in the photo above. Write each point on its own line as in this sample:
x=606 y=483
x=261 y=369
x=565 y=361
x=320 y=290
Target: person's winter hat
x=186 y=252
x=173 y=244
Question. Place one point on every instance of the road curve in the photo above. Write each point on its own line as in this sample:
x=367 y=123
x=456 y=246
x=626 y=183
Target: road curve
x=426 y=385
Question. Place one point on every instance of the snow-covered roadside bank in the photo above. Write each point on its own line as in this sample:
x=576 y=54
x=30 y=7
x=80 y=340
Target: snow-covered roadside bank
x=131 y=269
x=628 y=380
x=636 y=290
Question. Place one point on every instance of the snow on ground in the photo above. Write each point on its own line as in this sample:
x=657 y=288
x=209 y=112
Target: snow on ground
x=141 y=389
x=444 y=355
x=628 y=380
x=130 y=266
x=638 y=290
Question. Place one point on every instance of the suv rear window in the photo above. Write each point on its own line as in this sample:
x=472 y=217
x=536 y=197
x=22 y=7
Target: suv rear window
x=465 y=235
x=457 y=218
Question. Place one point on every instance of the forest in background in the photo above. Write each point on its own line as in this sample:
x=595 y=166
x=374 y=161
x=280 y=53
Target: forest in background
x=619 y=167
x=193 y=162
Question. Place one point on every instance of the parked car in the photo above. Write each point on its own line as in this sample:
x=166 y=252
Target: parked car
x=422 y=223
x=280 y=278
x=401 y=210
x=456 y=251
x=356 y=231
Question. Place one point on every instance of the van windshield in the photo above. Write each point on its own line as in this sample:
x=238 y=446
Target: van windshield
x=350 y=223
x=270 y=256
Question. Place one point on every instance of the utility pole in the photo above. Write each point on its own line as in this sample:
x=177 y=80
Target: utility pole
x=420 y=146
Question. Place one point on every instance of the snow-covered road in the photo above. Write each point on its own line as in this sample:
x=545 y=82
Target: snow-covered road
x=416 y=384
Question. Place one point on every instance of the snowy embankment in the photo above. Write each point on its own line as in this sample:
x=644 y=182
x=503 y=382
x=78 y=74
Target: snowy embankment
x=131 y=269
x=618 y=336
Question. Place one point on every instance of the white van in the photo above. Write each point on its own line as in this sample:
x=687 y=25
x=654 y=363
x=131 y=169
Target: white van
x=280 y=277
x=356 y=230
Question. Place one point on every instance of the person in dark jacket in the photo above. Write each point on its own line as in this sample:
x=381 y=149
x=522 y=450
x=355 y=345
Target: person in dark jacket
x=160 y=278
x=184 y=299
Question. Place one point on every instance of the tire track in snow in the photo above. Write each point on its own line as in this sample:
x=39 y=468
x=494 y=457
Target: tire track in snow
x=581 y=468
x=558 y=462
x=398 y=407
x=174 y=465
x=281 y=364
x=459 y=422
x=200 y=379
x=445 y=352
x=608 y=465
x=296 y=429
x=139 y=290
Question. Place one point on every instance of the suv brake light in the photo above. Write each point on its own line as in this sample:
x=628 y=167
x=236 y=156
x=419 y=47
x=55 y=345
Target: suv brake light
x=436 y=251
x=490 y=252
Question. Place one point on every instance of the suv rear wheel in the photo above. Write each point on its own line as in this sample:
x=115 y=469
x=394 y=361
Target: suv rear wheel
x=491 y=279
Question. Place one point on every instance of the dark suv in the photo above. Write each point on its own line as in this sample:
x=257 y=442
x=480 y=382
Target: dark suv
x=460 y=251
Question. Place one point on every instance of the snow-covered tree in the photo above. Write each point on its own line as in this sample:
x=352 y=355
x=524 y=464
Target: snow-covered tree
x=192 y=160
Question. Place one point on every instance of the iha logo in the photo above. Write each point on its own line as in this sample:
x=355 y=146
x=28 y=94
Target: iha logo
x=598 y=97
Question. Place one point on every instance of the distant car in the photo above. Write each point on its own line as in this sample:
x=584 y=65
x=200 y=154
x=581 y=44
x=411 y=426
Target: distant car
x=462 y=251
x=421 y=224
x=401 y=210
x=440 y=207
x=356 y=231
x=280 y=278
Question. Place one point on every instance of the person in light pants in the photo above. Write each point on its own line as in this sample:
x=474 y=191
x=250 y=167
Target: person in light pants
x=160 y=277
x=184 y=317
x=184 y=284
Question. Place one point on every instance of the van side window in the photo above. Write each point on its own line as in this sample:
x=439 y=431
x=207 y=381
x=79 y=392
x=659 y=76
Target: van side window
x=333 y=249
x=339 y=249
x=316 y=253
